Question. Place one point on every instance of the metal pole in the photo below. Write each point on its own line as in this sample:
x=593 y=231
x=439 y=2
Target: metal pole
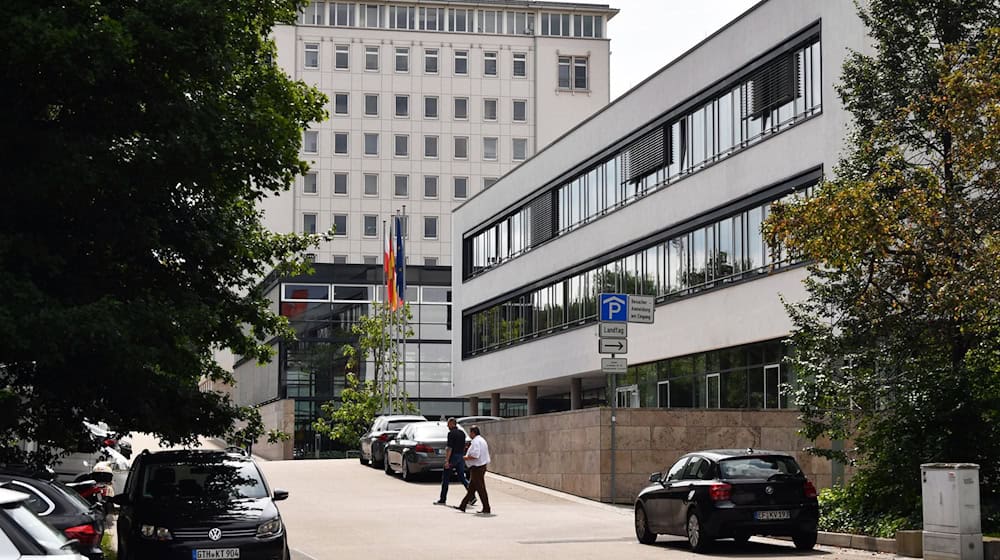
x=614 y=420
x=402 y=296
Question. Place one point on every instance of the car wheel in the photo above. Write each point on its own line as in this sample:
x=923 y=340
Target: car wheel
x=385 y=465
x=741 y=538
x=804 y=541
x=362 y=459
x=375 y=462
x=642 y=531
x=406 y=474
x=696 y=533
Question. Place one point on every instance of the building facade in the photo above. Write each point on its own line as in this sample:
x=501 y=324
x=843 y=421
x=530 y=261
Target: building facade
x=662 y=193
x=429 y=104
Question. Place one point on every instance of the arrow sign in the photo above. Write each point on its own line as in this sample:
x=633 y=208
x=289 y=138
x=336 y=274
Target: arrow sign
x=612 y=346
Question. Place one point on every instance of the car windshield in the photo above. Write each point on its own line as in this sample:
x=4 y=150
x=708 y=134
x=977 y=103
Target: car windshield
x=758 y=467
x=216 y=480
x=45 y=535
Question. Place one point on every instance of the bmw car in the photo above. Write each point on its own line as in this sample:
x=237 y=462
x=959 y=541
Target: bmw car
x=199 y=505
x=729 y=493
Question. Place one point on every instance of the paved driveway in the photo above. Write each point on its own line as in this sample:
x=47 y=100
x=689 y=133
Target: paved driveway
x=338 y=509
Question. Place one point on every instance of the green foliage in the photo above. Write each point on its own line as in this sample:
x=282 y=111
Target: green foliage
x=137 y=140
x=844 y=510
x=360 y=402
x=897 y=345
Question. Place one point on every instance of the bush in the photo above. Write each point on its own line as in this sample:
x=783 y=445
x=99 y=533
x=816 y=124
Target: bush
x=842 y=510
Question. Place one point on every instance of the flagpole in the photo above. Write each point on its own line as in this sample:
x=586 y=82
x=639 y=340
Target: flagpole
x=384 y=314
x=402 y=297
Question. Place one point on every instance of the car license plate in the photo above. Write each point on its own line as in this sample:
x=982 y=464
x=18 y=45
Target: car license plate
x=215 y=554
x=772 y=515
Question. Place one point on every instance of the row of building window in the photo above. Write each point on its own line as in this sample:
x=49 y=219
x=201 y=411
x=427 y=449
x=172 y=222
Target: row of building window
x=453 y=20
x=749 y=376
x=401 y=185
x=401 y=60
x=373 y=259
x=370 y=225
x=431 y=107
x=573 y=71
x=709 y=256
x=723 y=125
x=431 y=147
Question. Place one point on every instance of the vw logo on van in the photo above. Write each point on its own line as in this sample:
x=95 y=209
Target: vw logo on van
x=215 y=533
x=769 y=490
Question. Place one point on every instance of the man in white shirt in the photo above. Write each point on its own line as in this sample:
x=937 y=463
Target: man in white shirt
x=477 y=457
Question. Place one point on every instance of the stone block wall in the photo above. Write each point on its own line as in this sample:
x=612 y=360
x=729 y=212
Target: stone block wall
x=278 y=415
x=571 y=451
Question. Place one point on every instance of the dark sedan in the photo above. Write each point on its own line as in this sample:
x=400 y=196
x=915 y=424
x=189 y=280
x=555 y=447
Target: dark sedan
x=202 y=505
x=729 y=493
x=418 y=448
x=63 y=508
x=383 y=429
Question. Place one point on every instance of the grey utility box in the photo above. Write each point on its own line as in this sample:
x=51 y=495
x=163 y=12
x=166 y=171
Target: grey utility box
x=952 y=519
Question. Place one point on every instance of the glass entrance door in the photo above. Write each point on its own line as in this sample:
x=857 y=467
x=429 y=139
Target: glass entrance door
x=772 y=386
x=663 y=394
x=713 y=391
x=628 y=396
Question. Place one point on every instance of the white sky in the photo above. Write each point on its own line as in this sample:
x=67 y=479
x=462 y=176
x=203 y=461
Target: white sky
x=647 y=34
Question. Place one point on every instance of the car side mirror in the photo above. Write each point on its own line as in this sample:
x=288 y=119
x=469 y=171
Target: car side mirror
x=656 y=477
x=280 y=494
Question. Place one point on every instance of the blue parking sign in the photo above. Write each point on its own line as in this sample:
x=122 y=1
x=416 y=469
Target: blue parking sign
x=614 y=307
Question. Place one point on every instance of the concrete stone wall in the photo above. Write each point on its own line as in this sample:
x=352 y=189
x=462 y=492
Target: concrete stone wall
x=278 y=415
x=571 y=451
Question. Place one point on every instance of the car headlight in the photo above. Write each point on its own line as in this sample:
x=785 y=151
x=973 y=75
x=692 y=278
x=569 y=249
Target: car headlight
x=269 y=528
x=155 y=533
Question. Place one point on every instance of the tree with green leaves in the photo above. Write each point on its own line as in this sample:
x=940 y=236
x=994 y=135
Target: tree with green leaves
x=138 y=138
x=897 y=346
x=378 y=344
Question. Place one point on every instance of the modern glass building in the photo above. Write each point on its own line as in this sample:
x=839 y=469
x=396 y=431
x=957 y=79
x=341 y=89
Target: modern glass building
x=660 y=194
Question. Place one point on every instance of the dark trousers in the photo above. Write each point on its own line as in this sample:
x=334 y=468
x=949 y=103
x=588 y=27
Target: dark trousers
x=458 y=466
x=477 y=484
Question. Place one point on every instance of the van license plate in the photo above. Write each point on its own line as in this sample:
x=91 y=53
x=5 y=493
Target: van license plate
x=215 y=554
x=772 y=515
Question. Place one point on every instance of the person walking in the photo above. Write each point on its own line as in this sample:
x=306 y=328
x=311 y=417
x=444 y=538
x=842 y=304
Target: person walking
x=453 y=461
x=477 y=457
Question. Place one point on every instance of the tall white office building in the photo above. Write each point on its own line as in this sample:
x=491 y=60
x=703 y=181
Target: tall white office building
x=429 y=104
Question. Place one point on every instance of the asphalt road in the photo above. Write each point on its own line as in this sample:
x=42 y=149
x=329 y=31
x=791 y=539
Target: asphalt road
x=338 y=509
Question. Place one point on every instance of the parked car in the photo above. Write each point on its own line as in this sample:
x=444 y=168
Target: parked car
x=199 y=504
x=24 y=535
x=62 y=508
x=467 y=421
x=417 y=449
x=729 y=493
x=382 y=430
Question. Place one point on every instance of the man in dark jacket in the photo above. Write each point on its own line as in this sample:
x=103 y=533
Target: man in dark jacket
x=453 y=460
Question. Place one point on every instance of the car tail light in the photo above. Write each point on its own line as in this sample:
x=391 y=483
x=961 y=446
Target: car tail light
x=383 y=438
x=108 y=442
x=808 y=489
x=86 y=534
x=423 y=448
x=720 y=492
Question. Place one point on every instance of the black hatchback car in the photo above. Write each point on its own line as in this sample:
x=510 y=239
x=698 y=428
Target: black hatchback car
x=199 y=505
x=729 y=493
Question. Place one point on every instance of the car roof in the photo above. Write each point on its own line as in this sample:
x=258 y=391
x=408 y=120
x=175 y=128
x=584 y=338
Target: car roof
x=720 y=454
x=172 y=455
x=478 y=419
x=11 y=497
x=398 y=417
